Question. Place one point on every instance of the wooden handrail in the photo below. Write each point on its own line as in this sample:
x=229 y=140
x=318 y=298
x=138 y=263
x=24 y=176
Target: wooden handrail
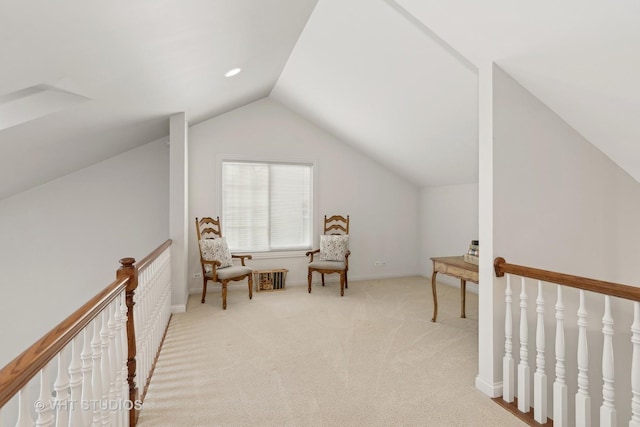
x=146 y=261
x=607 y=288
x=15 y=375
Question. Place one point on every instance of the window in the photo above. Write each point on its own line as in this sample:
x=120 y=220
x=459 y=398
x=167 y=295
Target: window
x=267 y=206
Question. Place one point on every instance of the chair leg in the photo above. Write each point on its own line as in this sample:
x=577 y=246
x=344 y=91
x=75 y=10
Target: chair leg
x=342 y=284
x=346 y=280
x=224 y=295
x=250 y=282
x=309 y=280
x=204 y=289
x=322 y=279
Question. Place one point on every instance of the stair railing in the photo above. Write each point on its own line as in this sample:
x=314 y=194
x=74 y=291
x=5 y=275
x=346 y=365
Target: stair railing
x=520 y=394
x=84 y=370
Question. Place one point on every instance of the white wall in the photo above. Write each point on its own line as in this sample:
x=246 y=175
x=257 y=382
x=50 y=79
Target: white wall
x=179 y=209
x=560 y=204
x=383 y=207
x=488 y=380
x=448 y=223
x=60 y=243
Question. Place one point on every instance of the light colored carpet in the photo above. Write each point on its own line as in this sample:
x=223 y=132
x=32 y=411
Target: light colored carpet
x=289 y=358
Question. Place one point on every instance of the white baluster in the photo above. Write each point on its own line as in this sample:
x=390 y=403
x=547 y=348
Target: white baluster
x=524 y=372
x=148 y=327
x=61 y=386
x=147 y=299
x=508 y=376
x=96 y=377
x=153 y=325
x=583 y=401
x=118 y=396
x=608 y=409
x=635 y=367
x=43 y=405
x=139 y=332
x=560 y=407
x=141 y=329
x=113 y=360
x=87 y=373
x=24 y=408
x=116 y=365
x=151 y=318
x=104 y=366
x=75 y=384
x=540 y=377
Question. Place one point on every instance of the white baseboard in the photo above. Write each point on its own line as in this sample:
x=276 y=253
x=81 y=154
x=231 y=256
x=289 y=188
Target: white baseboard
x=490 y=389
x=331 y=278
x=334 y=278
x=382 y=276
x=178 y=308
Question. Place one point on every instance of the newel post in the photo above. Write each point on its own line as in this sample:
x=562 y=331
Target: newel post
x=131 y=271
x=497 y=266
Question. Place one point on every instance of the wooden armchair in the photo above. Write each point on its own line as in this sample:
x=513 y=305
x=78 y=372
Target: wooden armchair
x=217 y=261
x=333 y=253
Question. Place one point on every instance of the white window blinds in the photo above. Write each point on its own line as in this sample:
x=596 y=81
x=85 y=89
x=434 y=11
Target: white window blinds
x=267 y=206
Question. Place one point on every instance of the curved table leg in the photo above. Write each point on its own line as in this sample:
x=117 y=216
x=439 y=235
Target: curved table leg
x=435 y=296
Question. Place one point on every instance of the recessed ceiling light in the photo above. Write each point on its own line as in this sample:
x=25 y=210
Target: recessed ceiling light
x=232 y=72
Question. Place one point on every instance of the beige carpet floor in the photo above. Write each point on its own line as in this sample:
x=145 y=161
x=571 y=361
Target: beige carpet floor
x=287 y=358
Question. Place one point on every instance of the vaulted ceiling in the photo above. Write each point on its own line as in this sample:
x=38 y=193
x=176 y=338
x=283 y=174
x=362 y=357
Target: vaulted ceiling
x=396 y=79
x=137 y=63
x=581 y=58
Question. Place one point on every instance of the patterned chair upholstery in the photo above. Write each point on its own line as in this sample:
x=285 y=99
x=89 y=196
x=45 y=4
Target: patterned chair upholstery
x=333 y=255
x=216 y=260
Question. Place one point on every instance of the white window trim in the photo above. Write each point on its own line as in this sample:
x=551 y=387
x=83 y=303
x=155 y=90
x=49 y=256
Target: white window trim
x=227 y=157
x=277 y=254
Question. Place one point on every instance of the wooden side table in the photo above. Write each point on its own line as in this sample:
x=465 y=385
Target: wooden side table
x=454 y=266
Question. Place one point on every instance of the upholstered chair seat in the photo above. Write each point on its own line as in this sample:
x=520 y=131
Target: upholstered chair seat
x=327 y=265
x=216 y=260
x=333 y=255
x=234 y=271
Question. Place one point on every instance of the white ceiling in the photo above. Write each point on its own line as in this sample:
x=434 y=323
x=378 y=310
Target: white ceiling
x=387 y=76
x=138 y=62
x=381 y=83
x=581 y=58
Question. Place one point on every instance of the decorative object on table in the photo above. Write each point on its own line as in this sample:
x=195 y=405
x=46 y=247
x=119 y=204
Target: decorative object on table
x=473 y=254
x=334 y=251
x=270 y=280
x=216 y=260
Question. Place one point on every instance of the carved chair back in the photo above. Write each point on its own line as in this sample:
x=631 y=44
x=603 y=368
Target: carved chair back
x=336 y=224
x=208 y=228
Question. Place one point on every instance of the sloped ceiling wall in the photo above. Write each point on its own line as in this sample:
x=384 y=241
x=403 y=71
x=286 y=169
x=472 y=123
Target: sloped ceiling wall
x=137 y=62
x=381 y=83
x=393 y=78
x=580 y=58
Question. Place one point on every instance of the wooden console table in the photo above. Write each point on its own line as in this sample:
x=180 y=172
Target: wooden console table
x=454 y=266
